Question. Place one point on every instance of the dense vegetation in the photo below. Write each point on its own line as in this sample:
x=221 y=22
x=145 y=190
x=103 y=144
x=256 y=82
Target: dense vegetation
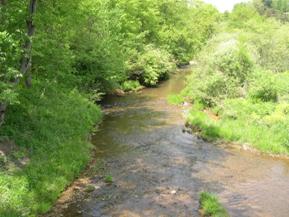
x=277 y=8
x=57 y=58
x=240 y=85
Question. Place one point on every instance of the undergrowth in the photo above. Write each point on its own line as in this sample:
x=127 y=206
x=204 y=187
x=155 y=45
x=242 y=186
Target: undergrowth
x=52 y=125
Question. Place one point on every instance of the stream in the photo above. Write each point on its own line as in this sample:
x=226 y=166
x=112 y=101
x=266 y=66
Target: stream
x=158 y=169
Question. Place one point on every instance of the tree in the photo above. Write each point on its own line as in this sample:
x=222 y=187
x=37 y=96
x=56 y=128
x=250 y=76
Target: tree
x=26 y=62
x=9 y=53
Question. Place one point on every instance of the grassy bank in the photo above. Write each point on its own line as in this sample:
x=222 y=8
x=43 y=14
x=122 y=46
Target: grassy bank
x=211 y=207
x=263 y=126
x=239 y=88
x=51 y=127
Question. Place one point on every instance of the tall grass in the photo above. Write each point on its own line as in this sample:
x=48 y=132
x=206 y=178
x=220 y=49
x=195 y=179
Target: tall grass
x=211 y=207
x=51 y=126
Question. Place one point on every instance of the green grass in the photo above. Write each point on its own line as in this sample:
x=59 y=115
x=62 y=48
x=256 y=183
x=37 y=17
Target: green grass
x=108 y=179
x=175 y=99
x=264 y=126
x=211 y=207
x=52 y=125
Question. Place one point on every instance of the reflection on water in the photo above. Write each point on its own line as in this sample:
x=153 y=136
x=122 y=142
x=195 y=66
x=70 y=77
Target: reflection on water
x=159 y=170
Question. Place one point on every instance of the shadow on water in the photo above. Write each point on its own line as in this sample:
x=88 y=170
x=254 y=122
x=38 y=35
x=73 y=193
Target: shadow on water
x=159 y=170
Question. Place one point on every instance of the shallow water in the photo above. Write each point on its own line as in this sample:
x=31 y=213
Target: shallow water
x=159 y=170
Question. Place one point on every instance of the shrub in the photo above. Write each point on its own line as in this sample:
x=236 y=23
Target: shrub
x=154 y=65
x=221 y=74
x=272 y=54
x=242 y=15
x=214 y=89
x=235 y=63
x=262 y=87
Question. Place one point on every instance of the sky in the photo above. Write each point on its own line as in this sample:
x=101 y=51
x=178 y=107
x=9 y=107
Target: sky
x=224 y=5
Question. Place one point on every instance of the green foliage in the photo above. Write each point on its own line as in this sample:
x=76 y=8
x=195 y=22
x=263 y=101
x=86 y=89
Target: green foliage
x=235 y=64
x=131 y=85
x=273 y=8
x=211 y=206
x=186 y=29
x=264 y=126
x=263 y=87
x=242 y=14
x=81 y=50
x=154 y=65
x=99 y=57
x=280 y=5
x=258 y=33
x=260 y=119
x=175 y=99
x=241 y=81
x=220 y=75
x=273 y=54
x=9 y=58
x=54 y=128
x=108 y=179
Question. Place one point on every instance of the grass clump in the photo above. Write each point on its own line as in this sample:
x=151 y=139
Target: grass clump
x=211 y=207
x=108 y=179
x=175 y=99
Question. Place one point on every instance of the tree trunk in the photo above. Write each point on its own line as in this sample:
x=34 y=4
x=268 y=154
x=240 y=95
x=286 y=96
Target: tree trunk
x=3 y=107
x=26 y=62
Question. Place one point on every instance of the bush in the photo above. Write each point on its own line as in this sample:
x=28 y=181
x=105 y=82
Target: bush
x=222 y=73
x=214 y=89
x=235 y=64
x=272 y=54
x=267 y=38
x=262 y=87
x=153 y=65
x=242 y=16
